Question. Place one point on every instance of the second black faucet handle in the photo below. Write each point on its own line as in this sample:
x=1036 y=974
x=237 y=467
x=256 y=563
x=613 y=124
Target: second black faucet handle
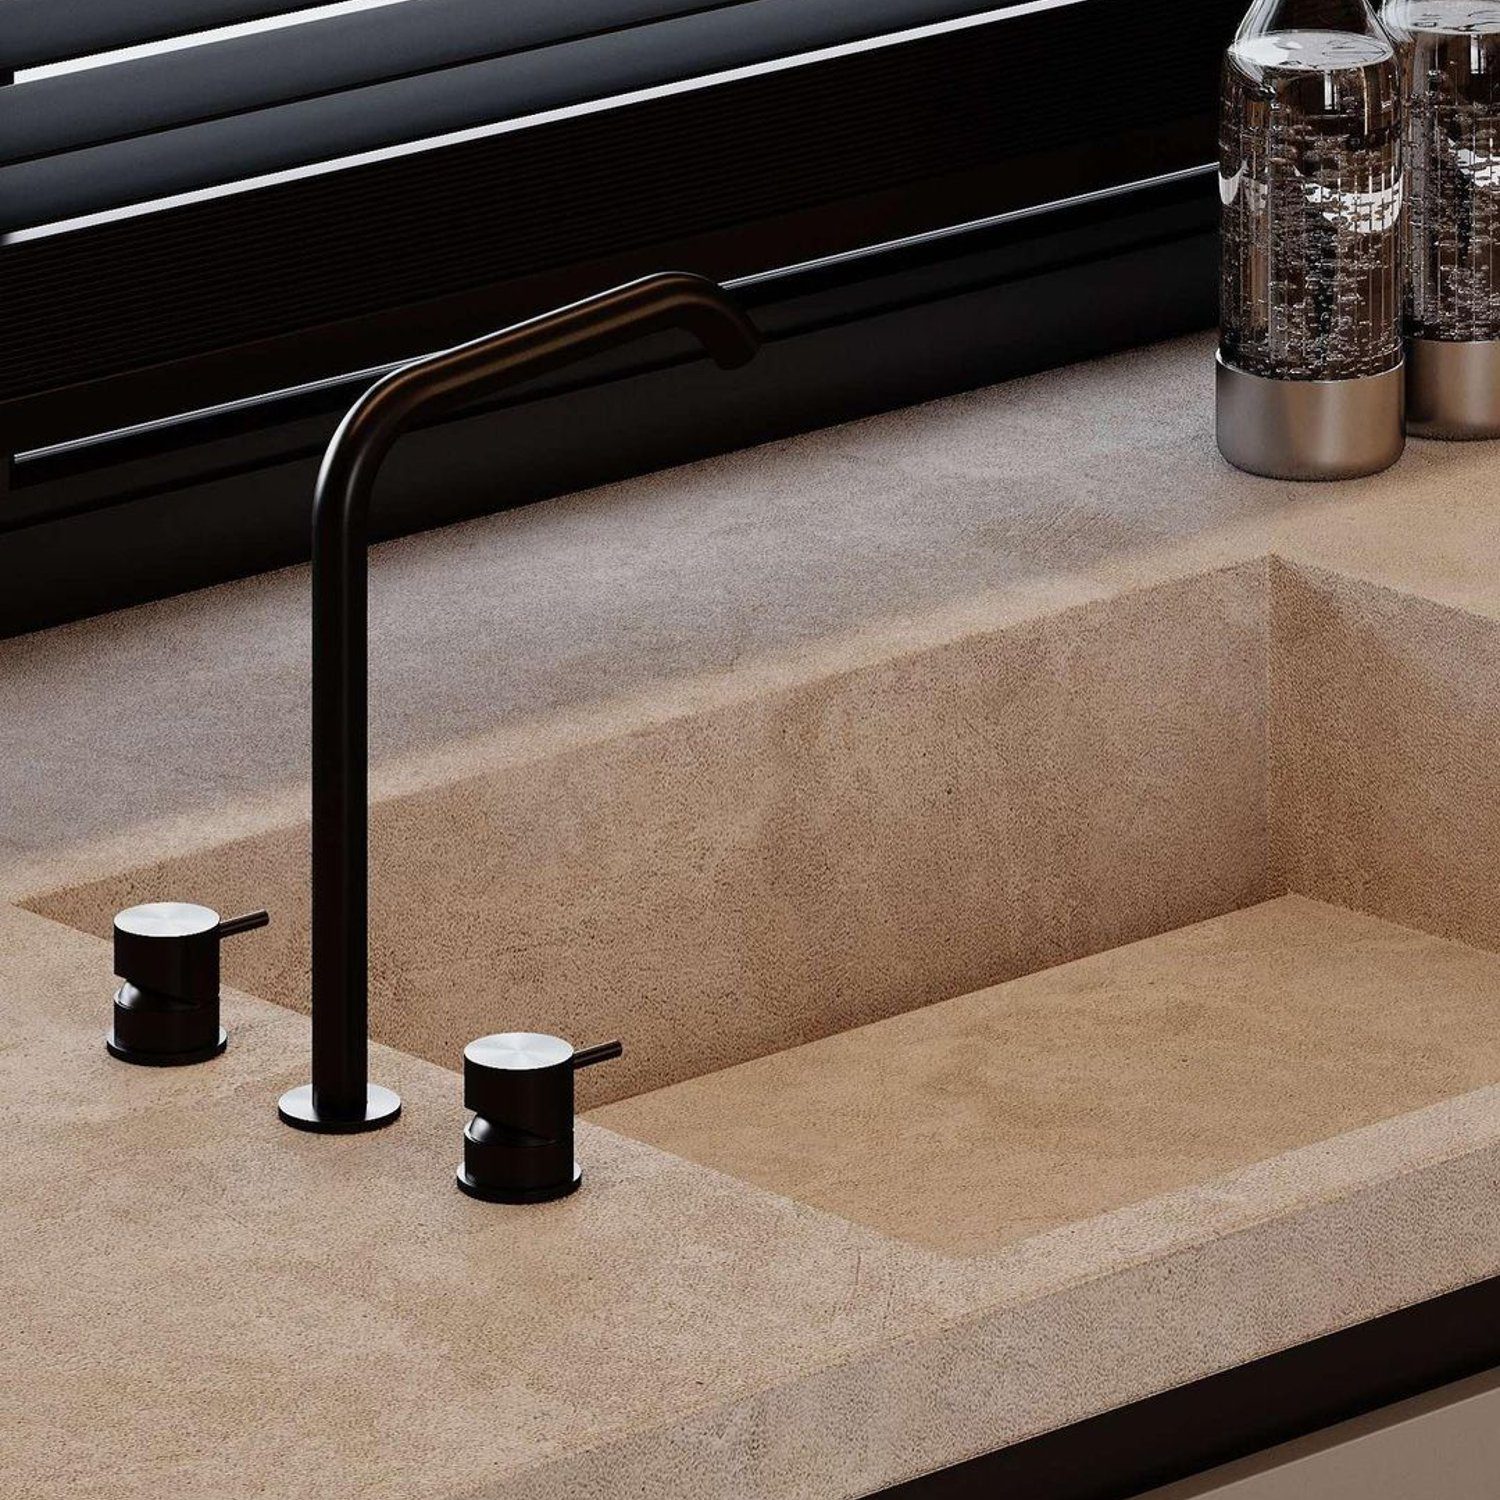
x=518 y=1148
x=172 y=947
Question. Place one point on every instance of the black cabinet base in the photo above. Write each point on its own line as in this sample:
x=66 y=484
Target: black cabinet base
x=1195 y=1427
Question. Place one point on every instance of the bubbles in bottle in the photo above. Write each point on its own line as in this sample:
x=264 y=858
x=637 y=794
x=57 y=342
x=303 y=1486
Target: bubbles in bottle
x=1311 y=183
x=1449 y=51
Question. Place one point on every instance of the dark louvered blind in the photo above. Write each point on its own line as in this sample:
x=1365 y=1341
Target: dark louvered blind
x=218 y=216
x=310 y=84
x=39 y=32
x=338 y=183
x=321 y=248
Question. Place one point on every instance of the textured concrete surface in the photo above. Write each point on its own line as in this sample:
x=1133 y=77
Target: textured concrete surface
x=809 y=860
x=1384 y=784
x=756 y=875
x=1074 y=718
x=183 y=722
x=202 y=1303
x=971 y=1124
x=785 y=742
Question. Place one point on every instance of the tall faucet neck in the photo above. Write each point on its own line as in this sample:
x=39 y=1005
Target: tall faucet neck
x=340 y=1097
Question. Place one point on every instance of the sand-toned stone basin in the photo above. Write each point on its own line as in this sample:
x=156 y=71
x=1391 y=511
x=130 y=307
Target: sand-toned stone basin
x=673 y=1325
x=758 y=764
x=726 y=884
x=970 y=1125
x=721 y=885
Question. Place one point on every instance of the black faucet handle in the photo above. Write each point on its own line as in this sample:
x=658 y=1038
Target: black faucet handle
x=233 y=926
x=167 y=1011
x=172 y=947
x=518 y=1148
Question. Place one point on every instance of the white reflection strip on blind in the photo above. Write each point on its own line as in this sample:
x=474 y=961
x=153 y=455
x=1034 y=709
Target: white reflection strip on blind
x=201 y=38
x=526 y=122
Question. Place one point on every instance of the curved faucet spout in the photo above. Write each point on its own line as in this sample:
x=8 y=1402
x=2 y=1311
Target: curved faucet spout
x=340 y=1097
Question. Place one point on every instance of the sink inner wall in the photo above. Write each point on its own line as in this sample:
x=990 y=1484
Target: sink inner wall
x=739 y=881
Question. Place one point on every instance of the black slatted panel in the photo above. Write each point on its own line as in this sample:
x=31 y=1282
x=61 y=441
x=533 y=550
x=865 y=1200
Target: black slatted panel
x=34 y=32
x=246 y=266
x=426 y=83
x=217 y=80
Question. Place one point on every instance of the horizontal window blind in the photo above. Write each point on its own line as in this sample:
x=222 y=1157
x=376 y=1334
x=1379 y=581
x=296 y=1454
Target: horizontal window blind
x=37 y=32
x=183 y=119
x=772 y=150
x=230 y=206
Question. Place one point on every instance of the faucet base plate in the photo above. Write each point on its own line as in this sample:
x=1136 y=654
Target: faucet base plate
x=116 y=1048
x=467 y=1184
x=296 y=1109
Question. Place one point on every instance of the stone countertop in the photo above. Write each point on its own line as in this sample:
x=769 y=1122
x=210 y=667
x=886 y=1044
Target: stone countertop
x=589 y=615
x=201 y=1302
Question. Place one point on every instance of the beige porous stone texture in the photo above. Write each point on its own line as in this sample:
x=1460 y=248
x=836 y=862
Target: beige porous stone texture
x=725 y=759
x=1385 y=783
x=746 y=753
x=968 y=1125
x=201 y=1303
x=735 y=882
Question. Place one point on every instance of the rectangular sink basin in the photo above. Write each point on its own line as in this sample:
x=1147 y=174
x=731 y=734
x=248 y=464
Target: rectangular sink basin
x=728 y=881
x=971 y=1124
x=778 y=894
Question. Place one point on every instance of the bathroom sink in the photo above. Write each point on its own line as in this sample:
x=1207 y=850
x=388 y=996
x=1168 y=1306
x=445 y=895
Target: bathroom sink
x=838 y=1227
x=730 y=881
x=733 y=879
x=970 y=1125
x=855 y=1262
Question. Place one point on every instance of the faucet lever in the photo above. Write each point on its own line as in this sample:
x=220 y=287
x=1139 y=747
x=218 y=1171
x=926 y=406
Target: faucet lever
x=167 y=1011
x=518 y=1148
x=586 y=1057
x=231 y=926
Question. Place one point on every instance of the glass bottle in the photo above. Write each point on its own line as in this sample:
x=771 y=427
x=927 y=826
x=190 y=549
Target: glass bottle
x=1449 y=53
x=1311 y=182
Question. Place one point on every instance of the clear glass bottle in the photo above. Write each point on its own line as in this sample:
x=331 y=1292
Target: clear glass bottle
x=1449 y=52
x=1311 y=181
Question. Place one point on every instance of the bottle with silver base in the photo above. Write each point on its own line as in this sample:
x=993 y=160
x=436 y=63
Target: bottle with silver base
x=1449 y=52
x=1310 y=368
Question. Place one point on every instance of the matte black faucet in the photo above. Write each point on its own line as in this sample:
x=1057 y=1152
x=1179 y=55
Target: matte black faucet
x=340 y=1097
